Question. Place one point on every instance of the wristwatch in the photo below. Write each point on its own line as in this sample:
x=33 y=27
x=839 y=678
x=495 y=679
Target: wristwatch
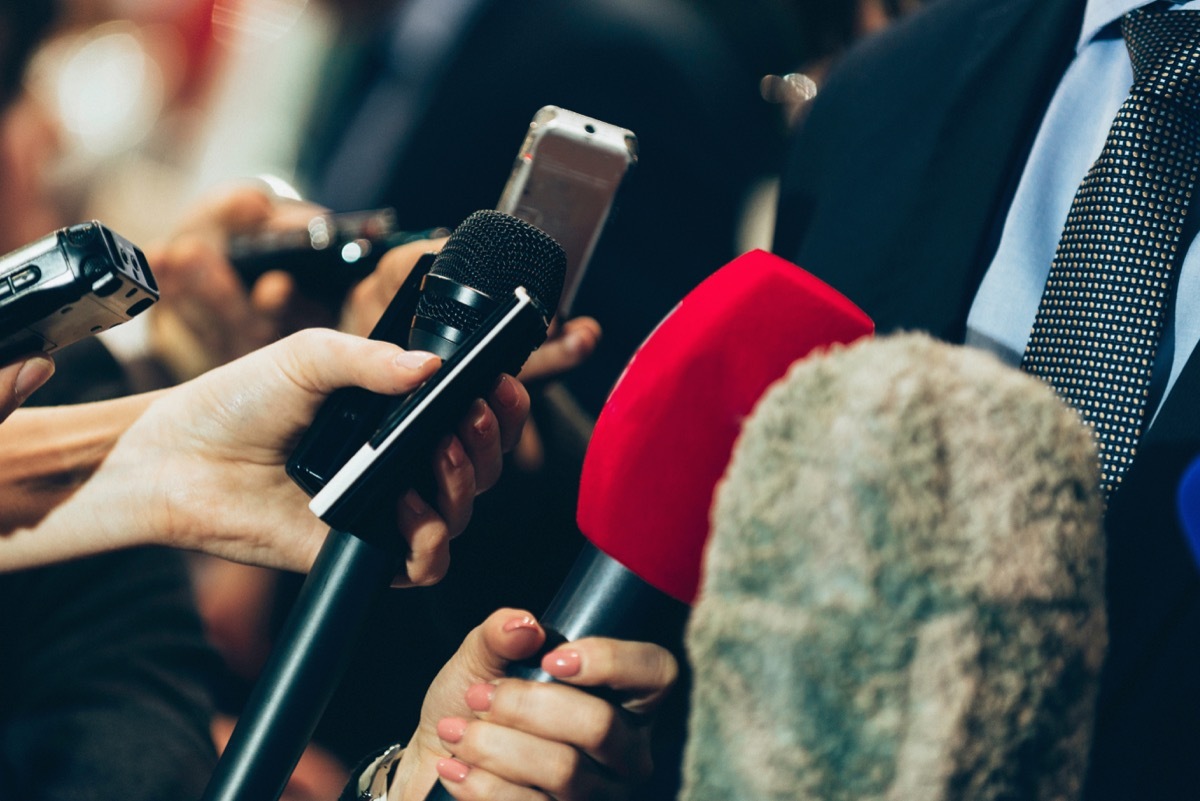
x=372 y=783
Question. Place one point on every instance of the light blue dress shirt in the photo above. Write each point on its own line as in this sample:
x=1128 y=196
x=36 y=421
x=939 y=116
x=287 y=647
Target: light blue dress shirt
x=1070 y=139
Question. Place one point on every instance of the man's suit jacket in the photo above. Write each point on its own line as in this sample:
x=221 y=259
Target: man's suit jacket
x=895 y=194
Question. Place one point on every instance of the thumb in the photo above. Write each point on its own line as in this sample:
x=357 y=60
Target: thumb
x=20 y=379
x=506 y=636
x=564 y=351
x=320 y=360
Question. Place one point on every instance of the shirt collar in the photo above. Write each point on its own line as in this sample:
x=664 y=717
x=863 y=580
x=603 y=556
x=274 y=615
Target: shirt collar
x=1099 y=14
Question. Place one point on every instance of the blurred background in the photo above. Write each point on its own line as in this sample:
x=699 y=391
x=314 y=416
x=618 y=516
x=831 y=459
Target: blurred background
x=133 y=110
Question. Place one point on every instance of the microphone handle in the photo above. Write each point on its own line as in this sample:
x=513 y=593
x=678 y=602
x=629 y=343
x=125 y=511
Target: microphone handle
x=295 y=686
x=600 y=598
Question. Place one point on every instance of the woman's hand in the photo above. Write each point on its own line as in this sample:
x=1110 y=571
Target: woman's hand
x=206 y=316
x=203 y=467
x=491 y=737
x=20 y=379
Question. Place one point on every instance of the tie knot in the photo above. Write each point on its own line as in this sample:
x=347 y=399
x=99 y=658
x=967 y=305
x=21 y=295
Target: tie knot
x=1164 y=47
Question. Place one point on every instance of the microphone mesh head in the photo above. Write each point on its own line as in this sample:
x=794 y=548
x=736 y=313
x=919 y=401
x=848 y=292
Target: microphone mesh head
x=903 y=593
x=495 y=253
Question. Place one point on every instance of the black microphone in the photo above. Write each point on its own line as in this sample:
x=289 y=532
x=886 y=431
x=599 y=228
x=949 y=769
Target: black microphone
x=443 y=301
x=483 y=308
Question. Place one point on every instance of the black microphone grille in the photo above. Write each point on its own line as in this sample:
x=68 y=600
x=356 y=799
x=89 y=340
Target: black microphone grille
x=495 y=253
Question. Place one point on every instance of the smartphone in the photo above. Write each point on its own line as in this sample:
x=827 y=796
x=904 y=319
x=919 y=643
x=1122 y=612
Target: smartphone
x=351 y=414
x=68 y=285
x=413 y=425
x=328 y=255
x=565 y=181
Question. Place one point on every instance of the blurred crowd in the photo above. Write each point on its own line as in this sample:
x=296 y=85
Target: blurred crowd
x=180 y=123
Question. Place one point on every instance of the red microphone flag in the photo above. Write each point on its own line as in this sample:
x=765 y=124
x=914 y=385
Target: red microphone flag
x=666 y=432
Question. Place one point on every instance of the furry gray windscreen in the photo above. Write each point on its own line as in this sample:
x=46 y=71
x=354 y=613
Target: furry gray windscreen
x=903 y=593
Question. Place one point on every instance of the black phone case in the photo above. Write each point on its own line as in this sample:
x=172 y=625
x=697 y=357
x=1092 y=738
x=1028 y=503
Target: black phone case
x=402 y=447
x=349 y=416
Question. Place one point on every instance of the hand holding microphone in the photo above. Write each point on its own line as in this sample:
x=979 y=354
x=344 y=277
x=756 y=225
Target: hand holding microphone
x=660 y=445
x=560 y=738
x=479 y=306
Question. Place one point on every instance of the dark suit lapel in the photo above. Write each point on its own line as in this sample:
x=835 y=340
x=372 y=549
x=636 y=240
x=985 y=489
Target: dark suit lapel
x=1152 y=578
x=1012 y=58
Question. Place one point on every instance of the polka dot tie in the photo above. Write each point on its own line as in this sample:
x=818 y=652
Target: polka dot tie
x=1104 y=306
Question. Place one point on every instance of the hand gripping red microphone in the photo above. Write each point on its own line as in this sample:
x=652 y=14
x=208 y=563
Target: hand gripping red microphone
x=664 y=438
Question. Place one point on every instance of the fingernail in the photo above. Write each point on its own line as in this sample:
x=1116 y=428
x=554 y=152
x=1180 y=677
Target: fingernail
x=451 y=729
x=522 y=622
x=415 y=504
x=414 y=359
x=454 y=453
x=506 y=392
x=452 y=770
x=35 y=372
x=483 y=423
x=575 y=342
x=479 y=697
x=562 y=664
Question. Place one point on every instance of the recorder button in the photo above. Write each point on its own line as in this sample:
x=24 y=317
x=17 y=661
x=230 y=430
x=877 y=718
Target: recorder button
x=26 y=277
x=99 y=271
x=106 y=285
x=81 y=234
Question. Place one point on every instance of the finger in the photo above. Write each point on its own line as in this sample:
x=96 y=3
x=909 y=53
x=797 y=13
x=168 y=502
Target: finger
x=530 y=453
x=573 y=344
x=468 y=784
x=320 y=360
x=395 y=266
x=455 y=484
x=21 y=379
x=367 y=300
x=233 y=208
x=641 y=672
x=428 y=539
x=506 y=636
x=479 y=432
x=500 y=760
x=289 y=213
x=510 y=403
x=184 y=264
x=198 y=283
x=272 y=292
x=280 y=308
x=485 y=653
x=568 y=715
x=240 y=209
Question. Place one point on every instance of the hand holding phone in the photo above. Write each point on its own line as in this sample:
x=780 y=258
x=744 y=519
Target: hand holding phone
x=327 y=255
